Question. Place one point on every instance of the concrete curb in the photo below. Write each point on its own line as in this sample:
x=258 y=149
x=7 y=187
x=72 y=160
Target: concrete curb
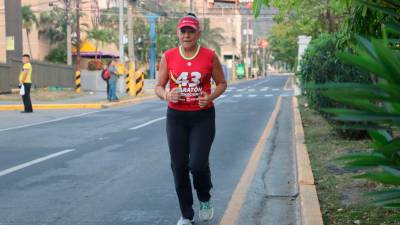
x=77 y=105
x=310 y=211
x=53 y=106
x=94 y=105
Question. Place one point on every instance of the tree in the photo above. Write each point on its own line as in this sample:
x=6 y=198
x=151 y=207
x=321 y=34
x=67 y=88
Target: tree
x=375 y=105
x=212 y=37
x=53 y=26
x=99 y=35
x=109 y=18
x=166 y=36
x=58 y=54
x=301 y=17
x=28 y=19
x=109 y=2
x=283 y=43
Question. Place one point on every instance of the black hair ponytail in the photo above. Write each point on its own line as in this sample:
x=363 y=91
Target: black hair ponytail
x=191 y=14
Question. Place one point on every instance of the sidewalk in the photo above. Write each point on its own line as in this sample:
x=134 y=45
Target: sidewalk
x=88 y=100
x=91 y=100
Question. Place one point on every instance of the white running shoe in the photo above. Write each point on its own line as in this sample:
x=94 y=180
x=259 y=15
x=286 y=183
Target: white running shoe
x=183 y=221
x=206 y=211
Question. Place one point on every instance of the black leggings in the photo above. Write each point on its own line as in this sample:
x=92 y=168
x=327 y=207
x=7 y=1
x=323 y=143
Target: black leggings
x=190 y=136
x=26 y=98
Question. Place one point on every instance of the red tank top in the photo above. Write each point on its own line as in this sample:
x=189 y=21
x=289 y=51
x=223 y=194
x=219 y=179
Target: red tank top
x=191 y=76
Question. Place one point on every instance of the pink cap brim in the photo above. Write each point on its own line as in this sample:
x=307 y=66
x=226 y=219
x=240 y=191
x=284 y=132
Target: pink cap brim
x=188 y=25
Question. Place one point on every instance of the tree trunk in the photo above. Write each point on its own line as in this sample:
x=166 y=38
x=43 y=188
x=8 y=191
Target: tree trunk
x=330 y=18
x=97 y=45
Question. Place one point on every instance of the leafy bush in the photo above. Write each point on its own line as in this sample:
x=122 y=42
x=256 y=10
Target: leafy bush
x=376 y=105
x=95 y=64
x=58 y=54
x=320 y=65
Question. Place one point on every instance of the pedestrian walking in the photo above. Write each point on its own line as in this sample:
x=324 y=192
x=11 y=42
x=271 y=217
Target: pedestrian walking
x=112 y=82
x=25 y=82
x=190 y=126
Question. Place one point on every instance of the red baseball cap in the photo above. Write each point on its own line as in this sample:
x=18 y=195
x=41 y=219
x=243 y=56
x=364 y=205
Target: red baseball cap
x=189 y=21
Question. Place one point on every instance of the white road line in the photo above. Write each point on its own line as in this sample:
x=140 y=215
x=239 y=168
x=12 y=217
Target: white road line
x=252 y=96
x=147 y=123
x=237 y=96
x=252 y=90
x=262 y=82
x=264 y=89
x=275 y=89
x=228 y=90
x=268 y=95
x=33 y=162
x=162 y=118
x=240 y=90
x=285 y=95
x=49 y=121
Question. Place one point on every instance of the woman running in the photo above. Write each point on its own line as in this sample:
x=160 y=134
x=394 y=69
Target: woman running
x=188 y=69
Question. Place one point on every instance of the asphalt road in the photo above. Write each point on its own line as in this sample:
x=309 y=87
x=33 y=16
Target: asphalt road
x=111 y=166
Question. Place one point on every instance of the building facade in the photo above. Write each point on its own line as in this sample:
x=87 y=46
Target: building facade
x=3 y=58
x=241 y=31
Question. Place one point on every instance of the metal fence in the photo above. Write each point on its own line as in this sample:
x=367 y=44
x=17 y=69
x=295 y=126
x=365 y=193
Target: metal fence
x=43 y=75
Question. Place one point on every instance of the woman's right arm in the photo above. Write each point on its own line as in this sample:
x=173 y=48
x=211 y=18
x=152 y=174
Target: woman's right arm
x=162 y=79
x=162 y=82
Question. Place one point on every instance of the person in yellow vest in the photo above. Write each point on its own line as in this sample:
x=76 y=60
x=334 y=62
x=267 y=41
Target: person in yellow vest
x=25 y=79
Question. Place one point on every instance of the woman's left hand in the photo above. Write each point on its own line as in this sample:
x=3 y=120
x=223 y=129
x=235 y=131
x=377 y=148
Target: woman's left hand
x=204 y=99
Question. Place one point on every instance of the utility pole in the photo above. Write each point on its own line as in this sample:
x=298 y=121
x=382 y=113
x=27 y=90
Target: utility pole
x=152 y=19
x=256 y=61
x=233 y=48
x=69 y=55
x=121 y=31
x=13 y=21
x=131 y=42
x=191 y=5
x=130 y=76
x=252 y=52
x=120 y=84
x=247 y=47
x=264 y=59
x=78 y=50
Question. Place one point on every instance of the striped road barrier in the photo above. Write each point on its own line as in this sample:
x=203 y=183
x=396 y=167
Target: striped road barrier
x=139 y=84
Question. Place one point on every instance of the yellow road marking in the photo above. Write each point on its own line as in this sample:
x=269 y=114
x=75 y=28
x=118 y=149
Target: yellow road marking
x=232 y=211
